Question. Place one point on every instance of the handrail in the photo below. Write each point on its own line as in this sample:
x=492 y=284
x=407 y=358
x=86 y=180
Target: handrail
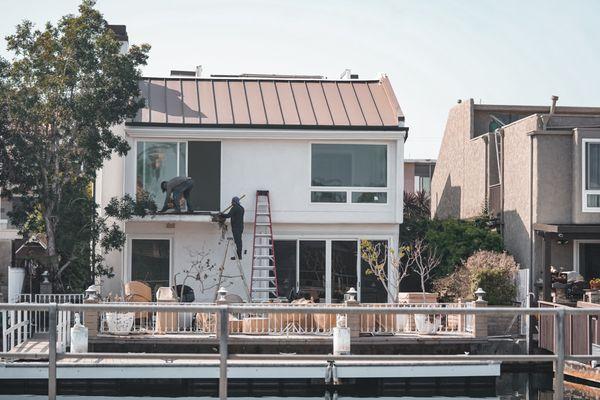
x=223 y=312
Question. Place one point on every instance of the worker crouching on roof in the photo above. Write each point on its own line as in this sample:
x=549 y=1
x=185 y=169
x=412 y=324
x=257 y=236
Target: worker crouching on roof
x=176 y=187
x=237 y=224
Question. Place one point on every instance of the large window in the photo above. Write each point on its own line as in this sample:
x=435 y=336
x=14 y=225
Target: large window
x=591 y=175
x=157 y=162
x=342 y=173
x=150 y=262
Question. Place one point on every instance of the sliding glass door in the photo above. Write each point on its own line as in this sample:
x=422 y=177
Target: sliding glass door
x=312 y=269
x=324 y=270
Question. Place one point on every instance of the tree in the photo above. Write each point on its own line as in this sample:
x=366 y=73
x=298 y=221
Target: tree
x=417 y=205
x=425 y=261
x=64 y=89
x=376 y=258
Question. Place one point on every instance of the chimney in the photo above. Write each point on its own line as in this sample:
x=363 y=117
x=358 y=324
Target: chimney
x=198 y=71
x=546 y=118
x=553 y=106
x=120 y=32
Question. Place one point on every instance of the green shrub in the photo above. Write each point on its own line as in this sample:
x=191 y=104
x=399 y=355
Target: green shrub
x=454 y=240
x=494 y=272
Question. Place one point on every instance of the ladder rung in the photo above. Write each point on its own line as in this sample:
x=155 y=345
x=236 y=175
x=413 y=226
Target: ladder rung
x=263 y=214
x=264 y=290
x=263 y=267
x=262 y=224
x=262 y=246
x=263 y=279
x=263 y=235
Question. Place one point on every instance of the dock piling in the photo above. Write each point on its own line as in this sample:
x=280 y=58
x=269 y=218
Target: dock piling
x=559 y=363
x=52 y=326
x=223 y=351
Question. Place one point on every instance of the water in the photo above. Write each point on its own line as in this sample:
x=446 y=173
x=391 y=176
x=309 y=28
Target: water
x=525 y=386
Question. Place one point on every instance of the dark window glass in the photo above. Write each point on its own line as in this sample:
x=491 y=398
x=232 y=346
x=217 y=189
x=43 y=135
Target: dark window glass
x=589 y=260
x=328 y=197
x=369 y=197
x=423 y=170
x=371 y=288
x=351 y=165
x=592 y=158
x=343 y=268
x=285 y=257
x=150 y=260
x=312 y=269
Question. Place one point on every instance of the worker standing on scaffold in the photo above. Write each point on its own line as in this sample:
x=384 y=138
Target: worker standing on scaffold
x=237 y=224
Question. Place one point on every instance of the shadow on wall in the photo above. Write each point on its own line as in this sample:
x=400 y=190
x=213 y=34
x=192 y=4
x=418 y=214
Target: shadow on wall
x=448 y=203
x=516 y=237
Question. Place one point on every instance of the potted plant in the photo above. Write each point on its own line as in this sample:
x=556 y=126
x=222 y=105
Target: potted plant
x=118 y=323
x=425 y=260
x=376 y=257
x=595 y=284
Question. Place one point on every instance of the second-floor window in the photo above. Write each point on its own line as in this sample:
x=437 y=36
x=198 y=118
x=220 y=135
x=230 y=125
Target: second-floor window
x=159 y=161
x=591 y=175
x=349 y=173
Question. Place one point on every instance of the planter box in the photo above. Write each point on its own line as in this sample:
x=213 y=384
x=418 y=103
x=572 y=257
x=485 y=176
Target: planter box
x=119 y=323
x=415 y=298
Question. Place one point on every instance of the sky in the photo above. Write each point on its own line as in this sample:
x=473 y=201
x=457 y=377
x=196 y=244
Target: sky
x=434 y=51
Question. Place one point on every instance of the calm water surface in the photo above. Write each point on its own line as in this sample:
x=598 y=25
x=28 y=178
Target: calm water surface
x=525 y=386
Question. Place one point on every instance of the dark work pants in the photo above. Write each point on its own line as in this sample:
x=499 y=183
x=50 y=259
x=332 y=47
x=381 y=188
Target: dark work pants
x=237 y=238
x=185 y=189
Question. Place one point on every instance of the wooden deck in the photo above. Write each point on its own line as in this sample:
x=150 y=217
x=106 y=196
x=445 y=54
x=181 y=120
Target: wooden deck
x=37 y=344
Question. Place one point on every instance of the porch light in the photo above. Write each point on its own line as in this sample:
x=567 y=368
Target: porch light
x=479 y=293
x=45 y=276
x=350 y=295
x=222 y=292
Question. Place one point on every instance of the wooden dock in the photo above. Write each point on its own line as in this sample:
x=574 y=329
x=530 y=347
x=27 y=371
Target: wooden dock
x=33 y=365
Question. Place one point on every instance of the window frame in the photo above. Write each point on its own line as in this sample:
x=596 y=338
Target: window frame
x=585 y=192
x=328 y=239
x=127 y=273
x=161 y=140
x=350 y=189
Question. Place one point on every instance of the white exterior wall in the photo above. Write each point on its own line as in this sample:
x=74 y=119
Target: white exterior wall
x=279 y=163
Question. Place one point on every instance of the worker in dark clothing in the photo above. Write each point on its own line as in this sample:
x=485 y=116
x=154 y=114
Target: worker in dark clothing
x=176 y=187
x=237 y=224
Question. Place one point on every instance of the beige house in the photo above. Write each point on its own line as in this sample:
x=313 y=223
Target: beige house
x=538 y=170
x=418 y=174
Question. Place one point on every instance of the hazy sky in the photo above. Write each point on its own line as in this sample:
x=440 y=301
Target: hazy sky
x=508 y=51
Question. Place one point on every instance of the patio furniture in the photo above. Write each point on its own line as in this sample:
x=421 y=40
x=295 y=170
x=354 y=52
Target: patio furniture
x=166 y=321
x=138 y=292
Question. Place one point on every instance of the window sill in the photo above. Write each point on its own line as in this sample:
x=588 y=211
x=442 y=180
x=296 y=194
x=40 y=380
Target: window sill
x=175 y=217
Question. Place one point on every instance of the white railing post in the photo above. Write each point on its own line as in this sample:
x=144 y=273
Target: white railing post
x=4 y=328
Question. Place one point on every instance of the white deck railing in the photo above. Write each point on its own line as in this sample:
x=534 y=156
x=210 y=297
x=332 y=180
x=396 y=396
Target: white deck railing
x=291 y=323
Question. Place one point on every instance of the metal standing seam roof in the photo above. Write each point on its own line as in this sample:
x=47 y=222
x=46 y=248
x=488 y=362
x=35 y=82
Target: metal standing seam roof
x=269 y=103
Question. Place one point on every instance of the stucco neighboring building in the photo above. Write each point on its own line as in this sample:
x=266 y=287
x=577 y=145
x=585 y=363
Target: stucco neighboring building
x=538 y=170
x=418 y=174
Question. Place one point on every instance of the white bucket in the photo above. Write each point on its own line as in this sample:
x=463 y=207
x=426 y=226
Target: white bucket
x=341 y=341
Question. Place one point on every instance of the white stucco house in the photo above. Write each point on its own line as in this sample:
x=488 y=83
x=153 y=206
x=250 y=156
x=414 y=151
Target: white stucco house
x=330 y=153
